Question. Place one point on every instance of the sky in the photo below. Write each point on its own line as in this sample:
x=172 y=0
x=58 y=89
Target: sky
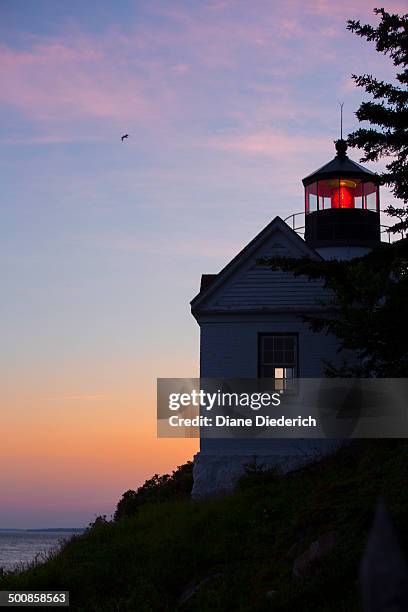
x=228 y=105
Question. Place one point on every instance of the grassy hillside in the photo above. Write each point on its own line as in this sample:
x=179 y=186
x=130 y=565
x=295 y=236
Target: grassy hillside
x=236 y=553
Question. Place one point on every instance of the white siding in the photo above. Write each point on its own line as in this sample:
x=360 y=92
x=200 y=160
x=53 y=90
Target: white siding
x=229 y=349
x=254 y=287
x=229 y=345
x=260 y=287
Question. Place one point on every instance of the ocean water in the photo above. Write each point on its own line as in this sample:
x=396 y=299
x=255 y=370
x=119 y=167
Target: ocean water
x=17 y=548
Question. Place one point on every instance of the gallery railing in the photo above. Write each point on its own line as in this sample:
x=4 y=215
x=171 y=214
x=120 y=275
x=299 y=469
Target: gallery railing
x=297 y=222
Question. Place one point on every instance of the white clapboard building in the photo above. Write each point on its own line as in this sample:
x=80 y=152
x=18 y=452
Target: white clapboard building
x=250 y=317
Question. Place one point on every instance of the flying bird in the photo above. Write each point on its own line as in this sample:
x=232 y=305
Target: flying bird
x=124 y=136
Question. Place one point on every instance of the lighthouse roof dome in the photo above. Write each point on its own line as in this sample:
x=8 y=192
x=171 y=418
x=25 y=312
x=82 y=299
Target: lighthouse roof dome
x=341 y=165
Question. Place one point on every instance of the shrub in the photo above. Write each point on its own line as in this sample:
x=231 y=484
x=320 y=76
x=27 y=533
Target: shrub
x=255 y=474
x=156 y=490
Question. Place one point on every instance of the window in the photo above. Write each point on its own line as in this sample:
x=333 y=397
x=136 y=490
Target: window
x=278 y=358
x=311 y=198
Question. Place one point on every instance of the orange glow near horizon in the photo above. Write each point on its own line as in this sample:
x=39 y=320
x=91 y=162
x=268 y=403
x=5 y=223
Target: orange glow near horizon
x=72 y=453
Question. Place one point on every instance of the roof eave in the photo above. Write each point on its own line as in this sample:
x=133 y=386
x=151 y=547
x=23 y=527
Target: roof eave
x=341 y=167
x=321 y=176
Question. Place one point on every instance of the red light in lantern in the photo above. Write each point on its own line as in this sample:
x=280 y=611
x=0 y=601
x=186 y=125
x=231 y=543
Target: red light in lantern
x=342 y=197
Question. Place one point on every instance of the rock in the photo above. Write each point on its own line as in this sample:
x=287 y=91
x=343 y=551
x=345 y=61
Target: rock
x=316 y=551
x=383 y=571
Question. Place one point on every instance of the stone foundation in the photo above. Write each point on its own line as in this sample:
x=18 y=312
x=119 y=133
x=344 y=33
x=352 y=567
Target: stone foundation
x=217 y=474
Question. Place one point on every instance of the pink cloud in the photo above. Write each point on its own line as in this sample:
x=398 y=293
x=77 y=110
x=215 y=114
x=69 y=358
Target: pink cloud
x=194 y=64
x=55 y=81
x=181 y=69
x=363 y=9
x=268 y=142
x=112 y=76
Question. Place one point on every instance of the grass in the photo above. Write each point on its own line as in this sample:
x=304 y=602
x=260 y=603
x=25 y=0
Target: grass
x=237 y=546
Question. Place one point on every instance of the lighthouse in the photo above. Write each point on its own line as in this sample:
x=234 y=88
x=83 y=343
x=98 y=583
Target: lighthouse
x=251 y=318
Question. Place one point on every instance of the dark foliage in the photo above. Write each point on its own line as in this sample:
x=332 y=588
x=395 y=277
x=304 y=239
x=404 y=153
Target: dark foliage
x=387 y=112
x=366 y=308
x=239 y=548
x=157 y=489
x=257 y=475
x=99 y=521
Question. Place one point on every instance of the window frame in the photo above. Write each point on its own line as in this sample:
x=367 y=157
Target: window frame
x=262 y=335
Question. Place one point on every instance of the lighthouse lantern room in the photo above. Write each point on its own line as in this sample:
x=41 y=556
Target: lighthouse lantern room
x=342 y=206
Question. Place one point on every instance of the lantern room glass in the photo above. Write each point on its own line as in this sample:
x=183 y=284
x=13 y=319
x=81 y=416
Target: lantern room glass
x=341 y=193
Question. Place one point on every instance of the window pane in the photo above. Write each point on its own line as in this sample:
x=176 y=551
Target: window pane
x=289 y=350
x=268 y=342
x=279 y=342
x=268 y=357
x=279 y=357
x=311 y=197
x=312 y=202
x=289 y=356
x=371 y=200
x=268 y=372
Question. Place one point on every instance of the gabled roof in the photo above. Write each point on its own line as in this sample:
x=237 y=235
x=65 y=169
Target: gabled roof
x=211 y=282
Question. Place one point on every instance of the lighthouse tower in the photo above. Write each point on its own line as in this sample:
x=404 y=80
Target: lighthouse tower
x=252 y=318
x=342 y=208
